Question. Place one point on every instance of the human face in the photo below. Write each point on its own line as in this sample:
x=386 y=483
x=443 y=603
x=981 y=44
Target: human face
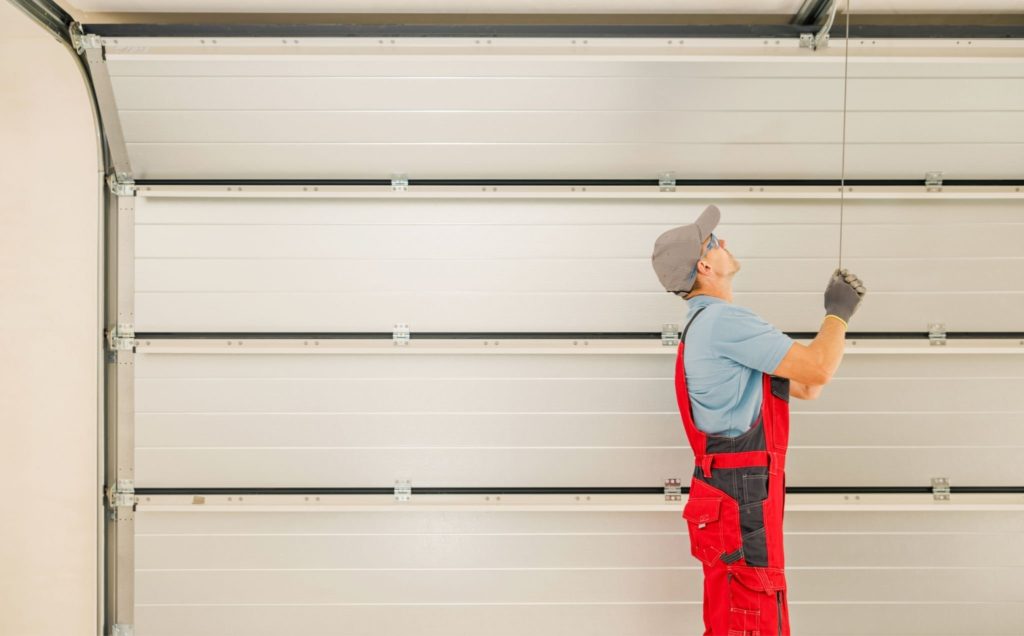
x=717 y=254
x=710 y=243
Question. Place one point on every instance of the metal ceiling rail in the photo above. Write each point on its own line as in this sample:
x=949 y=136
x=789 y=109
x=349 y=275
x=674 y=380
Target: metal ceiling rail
x=597 y=31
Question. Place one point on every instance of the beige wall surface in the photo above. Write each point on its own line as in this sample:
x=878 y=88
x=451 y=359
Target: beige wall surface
x=49 y=337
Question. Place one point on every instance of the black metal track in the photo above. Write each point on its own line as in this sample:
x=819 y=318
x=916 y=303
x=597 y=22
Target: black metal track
x=875 y=31
x=545 y=335
x=573 y=182
x=794 y=490
x=810 y=12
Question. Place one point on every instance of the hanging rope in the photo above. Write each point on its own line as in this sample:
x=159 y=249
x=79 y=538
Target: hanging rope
x=842 y=169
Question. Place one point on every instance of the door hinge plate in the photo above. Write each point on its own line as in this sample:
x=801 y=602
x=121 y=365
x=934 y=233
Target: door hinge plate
x=933 y=181
x=399 y=183
x=673 y=489
x=121 y=629
x=121 y=500
x=121 y=184
x=400 y=335
x=667 y=182
x=937 y=335
x=403 y=490
x=121 y=337
x=670 y=334
x=940 y=488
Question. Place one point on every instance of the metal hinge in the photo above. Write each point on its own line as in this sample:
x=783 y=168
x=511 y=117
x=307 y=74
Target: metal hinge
x=81 y=41
x=940 y=488
x=813 y=41
x=121 y=629
x=399 y=183
x=121 y=337
x=673 y=489
x=400 y=335
x=937 y=335
x=121 y=184
x=121 y=499
x=670 y=334
x=933 y=181
x=667 y=182
x=819 y=40
x=403 y=490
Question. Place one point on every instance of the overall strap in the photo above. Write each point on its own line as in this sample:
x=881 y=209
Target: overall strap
x=682 y=338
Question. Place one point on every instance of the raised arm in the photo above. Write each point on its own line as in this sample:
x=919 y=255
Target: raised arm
x=809 y=367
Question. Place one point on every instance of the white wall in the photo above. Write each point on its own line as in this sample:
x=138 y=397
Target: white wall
x=49 y=335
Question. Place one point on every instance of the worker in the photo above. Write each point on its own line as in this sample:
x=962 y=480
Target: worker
x=733 y=384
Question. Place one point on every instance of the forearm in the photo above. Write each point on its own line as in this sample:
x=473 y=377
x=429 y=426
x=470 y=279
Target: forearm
x=829 y=345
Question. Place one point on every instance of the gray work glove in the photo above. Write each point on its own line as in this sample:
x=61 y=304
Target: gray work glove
x=843 y=294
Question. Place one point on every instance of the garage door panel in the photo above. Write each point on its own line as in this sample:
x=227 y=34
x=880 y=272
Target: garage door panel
x=992 y=63
x=669 y=124
x=376 y=468
x=564 y=586
x=624 y=274
x=545 y=395
x=955 y=161
x=675 y=619
x=809 y=428
x=666 y=125
x=600 y=619
x=415 y=524
x=486 y=161
x=157 y=430
x=605 y=551
x=887 y=572
x=965 y=93
x=544 y=265
x=522 y=395
x=338 y=420
x=922 y=429
x=591 y=160
x=551 y=312
x=490 y=93
x=415 y=586
x=441 y=551
x=909 y=466
x=467 y=241
x=906 y=466
x=532 y=209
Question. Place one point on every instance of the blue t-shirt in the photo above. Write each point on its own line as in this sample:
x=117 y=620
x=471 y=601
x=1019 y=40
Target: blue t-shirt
x=727 y=348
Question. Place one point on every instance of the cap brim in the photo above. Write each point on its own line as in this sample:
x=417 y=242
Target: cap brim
x=708 y=221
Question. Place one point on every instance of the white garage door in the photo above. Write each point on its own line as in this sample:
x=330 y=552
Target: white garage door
x=279 y=419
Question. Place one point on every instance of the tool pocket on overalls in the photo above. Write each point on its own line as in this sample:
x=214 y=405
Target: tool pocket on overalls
x=703 y=521
x=756 y=601
x=755 y=487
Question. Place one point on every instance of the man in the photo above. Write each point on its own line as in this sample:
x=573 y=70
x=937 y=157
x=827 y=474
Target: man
x=733 y=383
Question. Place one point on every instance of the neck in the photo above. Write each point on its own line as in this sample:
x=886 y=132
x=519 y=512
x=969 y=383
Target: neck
x=723 y=294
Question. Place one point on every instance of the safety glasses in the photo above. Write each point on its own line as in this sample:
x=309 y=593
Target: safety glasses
x=712 y=244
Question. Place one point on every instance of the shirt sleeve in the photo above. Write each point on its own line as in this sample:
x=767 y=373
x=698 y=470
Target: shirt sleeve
x=744 y=337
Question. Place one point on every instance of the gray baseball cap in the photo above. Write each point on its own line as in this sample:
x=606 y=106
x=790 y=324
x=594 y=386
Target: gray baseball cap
x=677 y=251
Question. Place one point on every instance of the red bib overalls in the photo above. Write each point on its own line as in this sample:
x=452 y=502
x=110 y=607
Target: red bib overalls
x=734 y=514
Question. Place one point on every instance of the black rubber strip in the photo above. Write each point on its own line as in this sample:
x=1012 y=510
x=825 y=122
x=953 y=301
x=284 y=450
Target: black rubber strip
x=795 y=490
x=573 y=182
x=546 y=335
x=876 y=31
